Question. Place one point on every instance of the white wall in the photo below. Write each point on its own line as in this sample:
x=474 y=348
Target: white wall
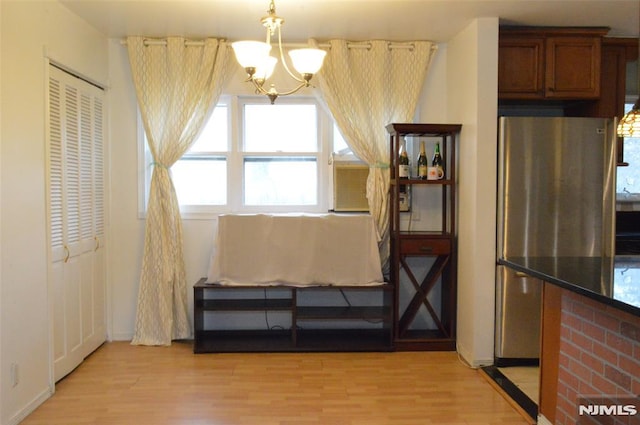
x=31 y=31
x=126 y=234
x=472 y=67
x=432 y=105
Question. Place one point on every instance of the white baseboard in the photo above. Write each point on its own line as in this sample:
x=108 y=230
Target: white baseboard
x=477 y=363
x=468 y=358
x=29 y=408
x=126 y=336
x=121 y=337
x=543 y=421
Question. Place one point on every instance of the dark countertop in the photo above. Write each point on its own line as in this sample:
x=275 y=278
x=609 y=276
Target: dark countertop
x=612 y=281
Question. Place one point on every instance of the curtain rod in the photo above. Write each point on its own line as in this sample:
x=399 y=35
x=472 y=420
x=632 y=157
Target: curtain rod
x=351 y=45
x=161 y=42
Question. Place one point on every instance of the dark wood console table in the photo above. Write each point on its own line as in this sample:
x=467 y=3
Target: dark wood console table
x=345 y=326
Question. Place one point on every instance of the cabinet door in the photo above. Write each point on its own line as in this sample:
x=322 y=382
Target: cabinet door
x=521 y=67
x=573 y=67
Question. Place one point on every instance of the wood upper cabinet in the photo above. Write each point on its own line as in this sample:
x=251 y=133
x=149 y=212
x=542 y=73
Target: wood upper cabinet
x=521 y=67
x=572 y=67
x=549 y=63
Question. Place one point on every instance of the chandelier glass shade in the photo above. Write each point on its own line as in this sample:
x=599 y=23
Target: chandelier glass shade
x=629 y=125
x=255 y=58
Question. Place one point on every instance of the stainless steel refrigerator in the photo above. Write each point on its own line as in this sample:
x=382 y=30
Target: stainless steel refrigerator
x=556 y=197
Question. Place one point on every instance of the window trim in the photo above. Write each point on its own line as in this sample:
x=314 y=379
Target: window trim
x=324 y=142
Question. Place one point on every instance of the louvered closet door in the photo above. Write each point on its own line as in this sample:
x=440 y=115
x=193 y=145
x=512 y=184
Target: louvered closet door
x=76 y=214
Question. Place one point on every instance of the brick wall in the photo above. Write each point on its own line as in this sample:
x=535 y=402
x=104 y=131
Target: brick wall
x=599 y=354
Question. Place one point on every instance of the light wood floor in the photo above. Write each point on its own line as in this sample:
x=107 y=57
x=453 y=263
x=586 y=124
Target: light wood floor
x=123 y=384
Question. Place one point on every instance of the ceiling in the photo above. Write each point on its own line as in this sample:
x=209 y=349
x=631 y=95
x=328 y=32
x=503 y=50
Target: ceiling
x=435 y=20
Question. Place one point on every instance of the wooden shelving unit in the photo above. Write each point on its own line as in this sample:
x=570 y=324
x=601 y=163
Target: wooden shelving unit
x=303 y=334
x=439 y=246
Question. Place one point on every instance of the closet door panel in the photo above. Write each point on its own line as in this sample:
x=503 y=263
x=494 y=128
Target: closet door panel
x=58 y=302
x=76 y=218
x=99 y=312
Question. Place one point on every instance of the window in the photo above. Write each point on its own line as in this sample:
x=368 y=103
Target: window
x=280 y=154
x=628 y=181
x=252 y=156
x=200 y=176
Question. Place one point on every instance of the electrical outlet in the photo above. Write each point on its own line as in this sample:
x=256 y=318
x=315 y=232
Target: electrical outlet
x=15 y=374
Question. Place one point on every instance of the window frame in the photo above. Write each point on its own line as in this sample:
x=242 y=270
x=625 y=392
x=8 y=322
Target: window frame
x=235 y=156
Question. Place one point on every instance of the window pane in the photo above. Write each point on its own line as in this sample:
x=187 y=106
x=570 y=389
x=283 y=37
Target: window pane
x=213 y=137
x=339 y=144
x=280 y=128
x=280 y=181
x=200 y=181
x=629 y=177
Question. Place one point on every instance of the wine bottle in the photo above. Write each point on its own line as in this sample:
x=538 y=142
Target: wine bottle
x=422 y=162
x=403 y=173
x=403 y=162
x=437 y=161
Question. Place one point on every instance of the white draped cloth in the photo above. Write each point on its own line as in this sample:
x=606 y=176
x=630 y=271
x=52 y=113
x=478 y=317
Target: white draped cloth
x=367 y=85
x=177 y=84
x=296 y=250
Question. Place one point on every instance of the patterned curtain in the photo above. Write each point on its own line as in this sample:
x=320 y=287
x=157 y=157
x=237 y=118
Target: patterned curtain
x=177 y=82
x=366 y=86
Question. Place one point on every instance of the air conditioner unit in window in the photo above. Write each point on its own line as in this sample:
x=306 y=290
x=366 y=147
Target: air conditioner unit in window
x=350 y=186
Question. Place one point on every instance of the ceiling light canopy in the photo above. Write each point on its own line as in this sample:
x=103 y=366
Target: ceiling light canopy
x=255 y=58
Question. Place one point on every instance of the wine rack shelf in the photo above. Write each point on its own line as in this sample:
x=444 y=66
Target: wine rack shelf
x=434 y=250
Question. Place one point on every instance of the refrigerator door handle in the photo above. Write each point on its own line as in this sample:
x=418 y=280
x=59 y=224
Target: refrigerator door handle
x=522 y=275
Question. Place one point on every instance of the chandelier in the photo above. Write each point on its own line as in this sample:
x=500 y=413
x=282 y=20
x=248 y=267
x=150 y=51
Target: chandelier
x=629 y=125
x=254 y=57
